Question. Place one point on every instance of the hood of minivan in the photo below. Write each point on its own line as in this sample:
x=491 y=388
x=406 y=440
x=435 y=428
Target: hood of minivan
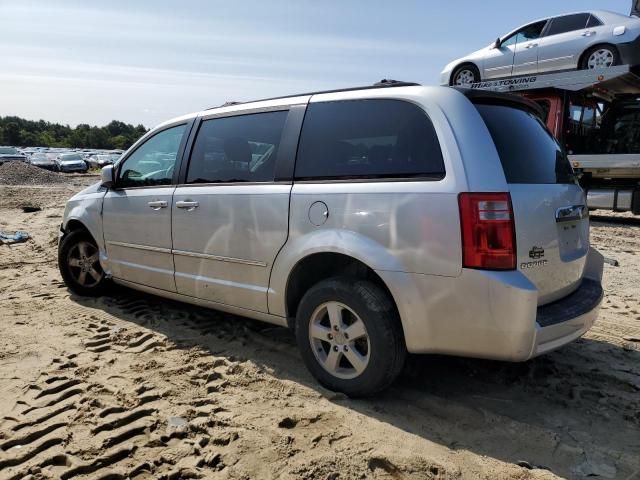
x=95 y=188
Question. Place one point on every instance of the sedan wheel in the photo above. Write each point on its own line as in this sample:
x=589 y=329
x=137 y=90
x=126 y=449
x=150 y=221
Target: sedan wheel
x=339 y=340
x=465 y=75
x=601 y=58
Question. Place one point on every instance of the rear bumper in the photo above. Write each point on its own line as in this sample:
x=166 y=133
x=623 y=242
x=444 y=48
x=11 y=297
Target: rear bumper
x=492 y=315
x=569 y=318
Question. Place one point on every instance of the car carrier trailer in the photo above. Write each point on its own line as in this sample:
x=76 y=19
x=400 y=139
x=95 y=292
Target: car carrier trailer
x=595 y=114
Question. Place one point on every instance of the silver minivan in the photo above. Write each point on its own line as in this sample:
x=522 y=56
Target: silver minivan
x=374 y=221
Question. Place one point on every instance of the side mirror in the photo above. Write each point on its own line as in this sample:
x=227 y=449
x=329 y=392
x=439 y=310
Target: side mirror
x=106 y=176
x=496 y=44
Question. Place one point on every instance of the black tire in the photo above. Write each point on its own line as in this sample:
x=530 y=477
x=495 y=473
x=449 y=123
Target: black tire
x=584 y=62
x=386 y=347
x=69 y=246
x=471 y=68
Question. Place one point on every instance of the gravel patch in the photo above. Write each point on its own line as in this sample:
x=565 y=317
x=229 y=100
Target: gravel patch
x=20 y=173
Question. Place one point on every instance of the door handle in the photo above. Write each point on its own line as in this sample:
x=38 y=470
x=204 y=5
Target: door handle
x=531 y=45
x=187 y=205
x=158 y=204
x=586 y=34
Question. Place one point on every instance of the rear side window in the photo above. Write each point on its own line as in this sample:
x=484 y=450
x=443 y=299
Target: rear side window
x=568 y=23
x=527 y=150
x=237 y=149
x=367 y=139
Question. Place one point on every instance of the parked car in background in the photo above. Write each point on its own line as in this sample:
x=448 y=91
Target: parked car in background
x=100 y=160
x=585 y=40
x=71 y=162
x=394 y=219
x=42 y=160
x=11 y=154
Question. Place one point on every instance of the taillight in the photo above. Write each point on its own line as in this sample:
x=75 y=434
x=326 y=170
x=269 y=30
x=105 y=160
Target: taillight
x=488 y=232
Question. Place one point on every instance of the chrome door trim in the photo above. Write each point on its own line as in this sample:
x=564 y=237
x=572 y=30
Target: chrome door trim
x=218 y=258
x=139 y=247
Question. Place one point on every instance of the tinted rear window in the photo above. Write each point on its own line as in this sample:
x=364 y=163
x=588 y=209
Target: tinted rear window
x=368 y=139
x=528 y=151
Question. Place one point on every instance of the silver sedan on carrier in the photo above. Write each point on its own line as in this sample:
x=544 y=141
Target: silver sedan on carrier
x=586 y=40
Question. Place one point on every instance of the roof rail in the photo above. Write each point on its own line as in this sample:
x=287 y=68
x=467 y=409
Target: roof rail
x=387 y=82
x=384 y=83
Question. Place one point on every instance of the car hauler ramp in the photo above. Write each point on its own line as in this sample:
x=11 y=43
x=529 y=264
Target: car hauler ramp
x=607 y=82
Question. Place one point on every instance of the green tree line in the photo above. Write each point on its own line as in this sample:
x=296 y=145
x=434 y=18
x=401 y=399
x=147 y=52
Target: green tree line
x=18 y=132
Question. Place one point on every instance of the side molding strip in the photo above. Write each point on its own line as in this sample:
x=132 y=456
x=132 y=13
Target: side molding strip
x=205 y=256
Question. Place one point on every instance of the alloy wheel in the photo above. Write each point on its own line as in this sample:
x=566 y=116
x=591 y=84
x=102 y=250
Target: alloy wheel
x=83 y=260
x=601 y=58
x=464 y=77
x=339 y=340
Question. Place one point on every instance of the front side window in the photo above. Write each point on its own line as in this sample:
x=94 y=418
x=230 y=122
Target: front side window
x=237 y=149
x=568 y=23
x=368 y=139
x=153 y=162
x=525 y=34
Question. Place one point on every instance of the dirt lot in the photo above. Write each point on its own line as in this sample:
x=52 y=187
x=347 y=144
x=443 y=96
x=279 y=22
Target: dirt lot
x=133 y=386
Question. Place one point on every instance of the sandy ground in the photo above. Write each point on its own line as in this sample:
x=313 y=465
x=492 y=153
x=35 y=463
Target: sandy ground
x=133 y=386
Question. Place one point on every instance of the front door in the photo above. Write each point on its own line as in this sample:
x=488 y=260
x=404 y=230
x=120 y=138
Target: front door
x=525 y=58
x=498 y=62
x=137 y=212
x=230 y=218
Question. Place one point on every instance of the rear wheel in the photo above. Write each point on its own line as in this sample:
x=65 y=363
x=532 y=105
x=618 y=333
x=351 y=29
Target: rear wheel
x=349 y=335
x=601 y=56
x=465 y=75
x=79 y=264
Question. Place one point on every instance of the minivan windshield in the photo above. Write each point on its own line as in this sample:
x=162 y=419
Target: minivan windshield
x=527 y=150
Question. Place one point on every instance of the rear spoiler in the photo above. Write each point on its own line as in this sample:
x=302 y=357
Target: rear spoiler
x=498 y=98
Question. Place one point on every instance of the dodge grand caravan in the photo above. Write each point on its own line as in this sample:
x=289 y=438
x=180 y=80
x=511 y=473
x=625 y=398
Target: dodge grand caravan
x=373 y=221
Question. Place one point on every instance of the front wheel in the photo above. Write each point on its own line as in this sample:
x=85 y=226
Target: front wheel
x=79 y=264
x=350 y=337
x=465 y=75
x=602 y=56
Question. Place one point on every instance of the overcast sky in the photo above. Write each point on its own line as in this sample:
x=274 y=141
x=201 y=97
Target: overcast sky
x=140 y=61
